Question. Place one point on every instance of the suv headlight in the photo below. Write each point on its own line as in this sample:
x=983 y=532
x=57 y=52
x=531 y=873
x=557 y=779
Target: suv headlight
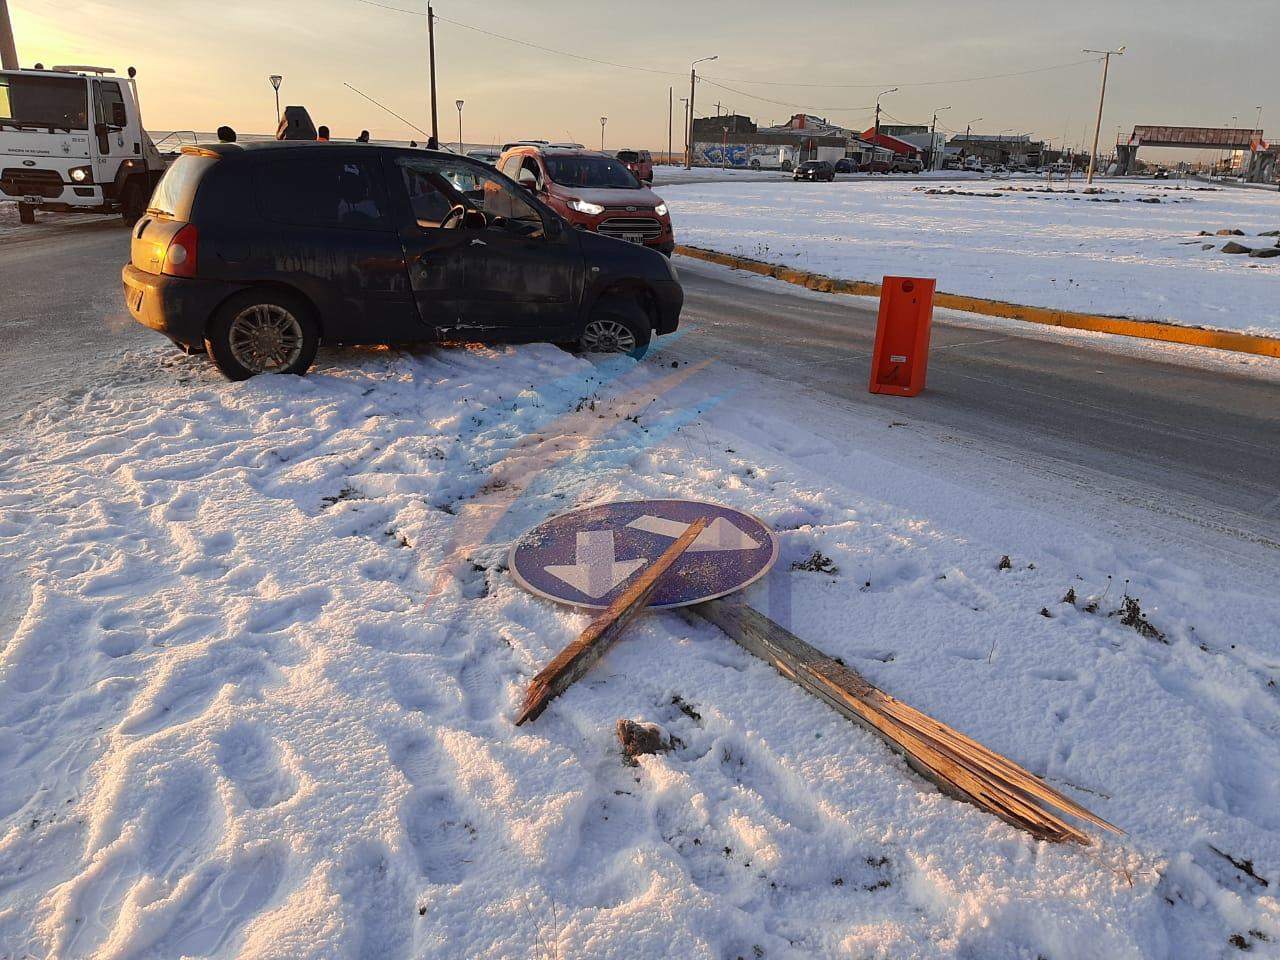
x=81 y=174
x=585 y=206
x=660 y=209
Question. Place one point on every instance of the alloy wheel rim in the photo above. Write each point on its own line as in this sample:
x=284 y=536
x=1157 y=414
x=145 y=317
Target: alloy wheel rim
x=265 y=338
x=608 y=336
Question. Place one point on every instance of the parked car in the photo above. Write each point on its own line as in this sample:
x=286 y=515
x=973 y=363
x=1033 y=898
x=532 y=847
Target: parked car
x=593 y=191
x=258 y=254
x=905 y=165
x=814 y=170
x=876 y=166
x=639 y=162
x=485 y=155
x=844 y=165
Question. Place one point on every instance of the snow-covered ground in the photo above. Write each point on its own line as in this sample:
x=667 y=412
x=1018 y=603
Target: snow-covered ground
x=1134 y=249
x=260 y=656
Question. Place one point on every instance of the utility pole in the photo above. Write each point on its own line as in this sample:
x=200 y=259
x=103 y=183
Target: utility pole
x=431 y=44
x=1097 y=129
x=878 y=96
x=8 y=50
x=670 y=112
x=685 y=123
x=693 y=81
x=934 y=153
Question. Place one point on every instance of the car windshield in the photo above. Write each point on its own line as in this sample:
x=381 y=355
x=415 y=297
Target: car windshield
x=49 y=102
x=583 y=171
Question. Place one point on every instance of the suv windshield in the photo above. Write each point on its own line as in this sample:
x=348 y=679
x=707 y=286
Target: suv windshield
x=584 y=171
x=49 y=102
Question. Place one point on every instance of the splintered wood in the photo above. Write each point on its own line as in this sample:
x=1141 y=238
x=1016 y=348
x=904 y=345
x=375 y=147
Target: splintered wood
x=576 y=659
x=959 y=766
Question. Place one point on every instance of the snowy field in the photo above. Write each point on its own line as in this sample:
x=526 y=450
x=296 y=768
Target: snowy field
x=1134 y=249
x=261 y=654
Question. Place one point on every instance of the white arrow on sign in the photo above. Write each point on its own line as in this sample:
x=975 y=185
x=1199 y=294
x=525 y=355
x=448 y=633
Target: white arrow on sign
x=595 y=571
x=720 y=535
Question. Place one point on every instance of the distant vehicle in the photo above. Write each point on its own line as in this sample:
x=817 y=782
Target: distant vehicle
x=485 y=155
x=639 y=162
x=973 y=164
x=780 y=158
x=905 y=165
x=844 y=165
x=71 y=139
x=876 y=166
x=814 y=170
x=593 y=191
x=259 y=253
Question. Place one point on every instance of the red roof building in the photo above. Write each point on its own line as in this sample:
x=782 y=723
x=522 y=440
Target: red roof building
x=899 y=147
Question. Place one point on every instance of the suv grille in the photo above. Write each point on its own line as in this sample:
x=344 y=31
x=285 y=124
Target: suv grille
x=647 y=227
x=19 y=182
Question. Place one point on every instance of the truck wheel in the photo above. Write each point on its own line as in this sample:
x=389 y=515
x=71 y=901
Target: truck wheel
x=617 y=326
x=262 y=331
x=133 y=203
x=26 y=213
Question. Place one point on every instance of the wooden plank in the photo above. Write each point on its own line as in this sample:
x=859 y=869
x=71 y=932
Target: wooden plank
x=576 y=659
x=959 y=766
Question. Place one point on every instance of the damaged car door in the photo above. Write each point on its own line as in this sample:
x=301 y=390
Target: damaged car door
x=485 y=261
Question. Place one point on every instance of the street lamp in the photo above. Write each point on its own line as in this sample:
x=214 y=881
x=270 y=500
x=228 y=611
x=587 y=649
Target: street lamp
x=603 y=121
x=276 y=80
x=878 y=96
x=1097 y=129
x=934 y=153
x=458 y=103
x=693 y=79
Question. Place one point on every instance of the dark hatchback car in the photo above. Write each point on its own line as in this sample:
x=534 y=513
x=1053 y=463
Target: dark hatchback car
x=259 y=253
x=814 y=170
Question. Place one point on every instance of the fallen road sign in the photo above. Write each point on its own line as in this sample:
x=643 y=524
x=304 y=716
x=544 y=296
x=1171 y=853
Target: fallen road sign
x=585 y=557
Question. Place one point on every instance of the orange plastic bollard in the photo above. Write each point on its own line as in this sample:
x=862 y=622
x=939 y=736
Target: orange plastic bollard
x=901 y=353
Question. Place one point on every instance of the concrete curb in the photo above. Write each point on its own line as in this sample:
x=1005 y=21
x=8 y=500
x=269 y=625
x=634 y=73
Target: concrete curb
x=1120 y=326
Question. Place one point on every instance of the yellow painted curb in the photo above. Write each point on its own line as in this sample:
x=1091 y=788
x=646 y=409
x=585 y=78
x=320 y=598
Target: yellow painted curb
x=1120 y=326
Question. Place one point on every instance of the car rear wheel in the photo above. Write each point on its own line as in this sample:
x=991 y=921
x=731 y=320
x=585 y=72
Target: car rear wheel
x=617 y=326
x=262 y=333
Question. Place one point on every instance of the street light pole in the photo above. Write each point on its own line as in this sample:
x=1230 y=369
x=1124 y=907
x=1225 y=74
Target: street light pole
x=459 y=104
x=670 y=112
x=603 y=121
x=878 y=96
x=431 y=46
x=276 y=80
x=693 y=80
x=8 y=49
x=1097 y=129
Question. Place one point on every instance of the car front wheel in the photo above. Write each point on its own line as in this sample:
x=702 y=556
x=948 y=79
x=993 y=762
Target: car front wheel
x=262 y=333
x=617 y=326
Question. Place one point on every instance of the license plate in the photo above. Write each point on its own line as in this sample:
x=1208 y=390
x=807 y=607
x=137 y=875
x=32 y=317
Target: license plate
x=35 y=200
x=633 y=237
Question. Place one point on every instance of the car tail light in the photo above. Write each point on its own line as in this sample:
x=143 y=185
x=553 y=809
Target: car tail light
x=183 y=252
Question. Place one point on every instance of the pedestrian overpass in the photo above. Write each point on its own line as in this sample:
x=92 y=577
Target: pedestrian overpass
x=1193 y=138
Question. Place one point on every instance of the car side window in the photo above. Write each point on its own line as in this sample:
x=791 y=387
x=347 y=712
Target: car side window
x=472 y=187
x=511 y=166
x=323 y=192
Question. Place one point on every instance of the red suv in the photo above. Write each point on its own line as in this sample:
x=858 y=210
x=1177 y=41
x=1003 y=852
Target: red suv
x=593 y=191
x=639 y=162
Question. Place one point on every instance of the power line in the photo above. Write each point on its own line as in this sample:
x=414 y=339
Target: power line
x=775 y=83
x=784 y=103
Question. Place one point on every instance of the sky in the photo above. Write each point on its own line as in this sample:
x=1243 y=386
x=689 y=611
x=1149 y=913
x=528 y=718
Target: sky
x=202 y=64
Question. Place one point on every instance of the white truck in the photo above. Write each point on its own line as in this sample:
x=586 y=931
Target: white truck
x=71 y=139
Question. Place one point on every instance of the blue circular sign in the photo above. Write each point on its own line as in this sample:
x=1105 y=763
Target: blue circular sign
x=587 y=557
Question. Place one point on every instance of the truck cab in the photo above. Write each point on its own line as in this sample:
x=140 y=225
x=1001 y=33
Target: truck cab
x=71 y=139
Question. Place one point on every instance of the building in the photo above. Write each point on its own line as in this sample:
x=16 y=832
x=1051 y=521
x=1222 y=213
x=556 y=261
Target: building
x=931 y=143
x=733 y=140
x=1017 y=150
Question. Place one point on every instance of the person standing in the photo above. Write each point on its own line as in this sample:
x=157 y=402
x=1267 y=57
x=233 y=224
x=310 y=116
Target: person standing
x=226 y=135
x=322 y=134
x=364 y=137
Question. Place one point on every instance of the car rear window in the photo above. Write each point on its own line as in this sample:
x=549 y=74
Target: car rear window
x=176 y=192
x=628 y=156
x=323 y=192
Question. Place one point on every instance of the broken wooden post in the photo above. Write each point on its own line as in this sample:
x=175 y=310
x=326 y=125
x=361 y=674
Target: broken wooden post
x=576 y=659
x=958 y=765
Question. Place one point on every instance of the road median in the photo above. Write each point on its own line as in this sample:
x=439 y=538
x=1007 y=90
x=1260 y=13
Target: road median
x=1046 y=316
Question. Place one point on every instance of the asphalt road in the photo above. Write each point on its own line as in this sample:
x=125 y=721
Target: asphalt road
x=1202 y=443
